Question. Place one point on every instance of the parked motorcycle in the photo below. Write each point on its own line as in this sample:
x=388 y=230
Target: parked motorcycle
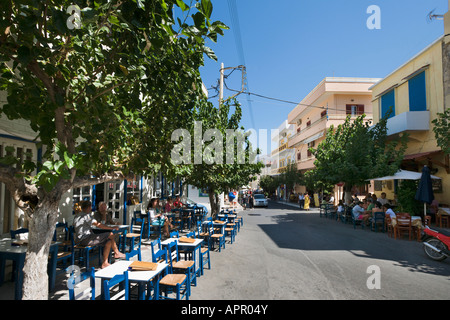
x=436 y=244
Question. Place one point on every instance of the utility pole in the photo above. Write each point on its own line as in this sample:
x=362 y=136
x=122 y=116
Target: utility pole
x=221 y=84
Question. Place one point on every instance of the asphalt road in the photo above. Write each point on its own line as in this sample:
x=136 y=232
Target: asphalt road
x=282 y=253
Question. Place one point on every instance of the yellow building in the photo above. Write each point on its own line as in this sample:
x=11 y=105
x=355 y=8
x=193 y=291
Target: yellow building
x=415 y=92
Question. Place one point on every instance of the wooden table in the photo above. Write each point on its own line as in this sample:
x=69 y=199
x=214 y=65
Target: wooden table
x=143 y=278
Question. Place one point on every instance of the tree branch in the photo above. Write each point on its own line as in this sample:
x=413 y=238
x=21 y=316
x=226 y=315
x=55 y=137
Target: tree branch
x=89 y=181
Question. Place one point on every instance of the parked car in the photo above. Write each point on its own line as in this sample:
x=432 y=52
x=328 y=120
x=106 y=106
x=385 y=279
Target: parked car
x=192 y=204
x=260 y=201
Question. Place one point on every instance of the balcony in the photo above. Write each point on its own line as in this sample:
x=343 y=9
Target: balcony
x=409 y=121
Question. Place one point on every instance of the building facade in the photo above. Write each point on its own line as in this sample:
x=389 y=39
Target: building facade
x=415 y=93
x=328 y=104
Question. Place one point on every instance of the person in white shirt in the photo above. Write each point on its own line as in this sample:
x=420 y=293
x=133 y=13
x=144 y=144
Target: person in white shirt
x=383 y=199
x=389 y=210
x=301 y=200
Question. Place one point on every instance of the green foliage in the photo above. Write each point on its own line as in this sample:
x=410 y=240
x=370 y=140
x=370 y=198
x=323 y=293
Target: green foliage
x=215 y=171
x=406 y=193
x=441 y=130
x=269 y=183
x=290 y=176
x=355 y=152
x=106 y=96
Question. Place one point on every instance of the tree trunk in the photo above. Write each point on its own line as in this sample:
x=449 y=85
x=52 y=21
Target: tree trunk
x=214 y=201
x=41 y=228
x=347 y=194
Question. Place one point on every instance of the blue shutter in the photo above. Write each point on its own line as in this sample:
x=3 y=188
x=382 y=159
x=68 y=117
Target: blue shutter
x=417 y=93
x=388 y=101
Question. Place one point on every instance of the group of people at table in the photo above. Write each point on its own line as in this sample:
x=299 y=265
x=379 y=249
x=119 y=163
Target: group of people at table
x=85 y=223
x=364 y=210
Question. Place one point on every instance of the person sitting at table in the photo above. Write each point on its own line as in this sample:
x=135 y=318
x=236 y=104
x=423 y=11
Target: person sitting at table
x=177 y=203
x=159 y=218
x=169 y=205
x=85 y=236
x=340 y=209
x=389 y=210
x=383 y=199
x=377 y=207
x=102 y=215
x=359 y=213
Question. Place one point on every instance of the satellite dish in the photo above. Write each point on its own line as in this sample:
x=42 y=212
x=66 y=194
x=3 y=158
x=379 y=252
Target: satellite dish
x=431 y=16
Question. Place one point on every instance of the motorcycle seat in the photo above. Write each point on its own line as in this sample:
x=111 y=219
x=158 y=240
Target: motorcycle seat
x=443 y=231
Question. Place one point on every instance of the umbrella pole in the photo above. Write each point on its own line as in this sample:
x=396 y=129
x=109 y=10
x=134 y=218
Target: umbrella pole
x=424 y=211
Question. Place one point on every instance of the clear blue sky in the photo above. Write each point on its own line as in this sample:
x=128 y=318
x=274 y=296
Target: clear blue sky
x=289 y=46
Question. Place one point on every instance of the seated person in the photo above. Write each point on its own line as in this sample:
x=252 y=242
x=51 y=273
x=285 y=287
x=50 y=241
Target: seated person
x=84 y=235
x=169 y=205
x=102 y=215
x=359 y=213
x=340 y=208
x=377 y=207
x=158 y=218
x=177 y=203
x=389 y=210
x=383 y=199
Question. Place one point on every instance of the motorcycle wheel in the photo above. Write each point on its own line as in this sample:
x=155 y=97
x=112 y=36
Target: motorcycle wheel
x=433 y=254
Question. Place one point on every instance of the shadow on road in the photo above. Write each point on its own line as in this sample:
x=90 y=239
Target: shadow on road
x=301 y=230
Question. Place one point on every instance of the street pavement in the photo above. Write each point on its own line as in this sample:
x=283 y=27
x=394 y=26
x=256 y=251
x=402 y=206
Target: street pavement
x=283 y=253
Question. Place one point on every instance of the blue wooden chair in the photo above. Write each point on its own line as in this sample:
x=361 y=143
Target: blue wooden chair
x=377 y=220
x=133 y=239
x=357 y=222
x=158 y=254
x=66 y=251
x=204 y=251
x=230 y=231
x=173 y=282
x=84 y=252
x=13 y=233
x=74 y=282
x=217 y=235
x=180 y=266
x=119 y=282
x=174 y=234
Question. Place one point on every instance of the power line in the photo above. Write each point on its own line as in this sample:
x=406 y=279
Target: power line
x=239 y=48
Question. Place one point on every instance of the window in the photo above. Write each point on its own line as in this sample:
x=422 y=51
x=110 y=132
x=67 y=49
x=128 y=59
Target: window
x=323 y=113
x=388 y=102
x=354 y=109
x=417 y=93
x=308 y=123
x=310 y=145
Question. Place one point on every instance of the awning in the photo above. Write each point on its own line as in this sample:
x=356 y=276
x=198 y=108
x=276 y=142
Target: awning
x=313 y=138
x=418 y=156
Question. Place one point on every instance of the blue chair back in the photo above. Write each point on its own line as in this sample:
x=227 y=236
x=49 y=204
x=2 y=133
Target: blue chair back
x=18 y=231
x=158 y=253
x=174 y=234
x=120 y=280
x=172 y=254
x=74 y=280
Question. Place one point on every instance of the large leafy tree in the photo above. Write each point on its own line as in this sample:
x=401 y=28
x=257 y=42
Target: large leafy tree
x=441 y=130
x=355 y=152
x=102 y=85
x=222 y=156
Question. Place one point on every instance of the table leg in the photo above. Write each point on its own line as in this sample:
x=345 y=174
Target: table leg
x=19 y=277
